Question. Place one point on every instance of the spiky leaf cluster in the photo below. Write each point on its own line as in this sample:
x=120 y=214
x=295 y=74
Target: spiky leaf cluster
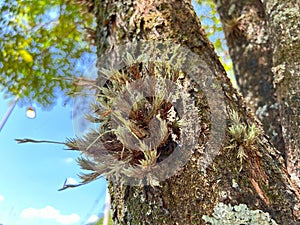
x=243 y=136
x=136 y=127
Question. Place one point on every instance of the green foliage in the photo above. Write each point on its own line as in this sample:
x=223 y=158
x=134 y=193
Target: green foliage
x=212 y=25
x=239 y=214
x=41 y=45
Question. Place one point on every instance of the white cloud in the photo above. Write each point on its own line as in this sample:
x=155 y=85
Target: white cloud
x=50 y=213
x=69 y=160
x=71 y=180
x=92 y=219
x=1 y=198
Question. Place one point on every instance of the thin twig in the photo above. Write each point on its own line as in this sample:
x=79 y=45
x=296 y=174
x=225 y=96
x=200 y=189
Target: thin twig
x=28 y=140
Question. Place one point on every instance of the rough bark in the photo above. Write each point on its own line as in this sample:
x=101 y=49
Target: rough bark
x=284 y=25
x=260 y=181
x=248 y=39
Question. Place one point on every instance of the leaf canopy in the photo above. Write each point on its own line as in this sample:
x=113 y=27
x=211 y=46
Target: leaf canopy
x=42 y=45
x=212 y=25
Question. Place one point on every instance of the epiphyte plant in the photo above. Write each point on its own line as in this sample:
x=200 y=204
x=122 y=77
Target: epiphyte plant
x=243 y=136
x=138 y=125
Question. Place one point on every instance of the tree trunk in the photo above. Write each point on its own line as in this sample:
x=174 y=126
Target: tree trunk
x=284 y=25
x=246 y=169
x=248 y=38
x=263 y=40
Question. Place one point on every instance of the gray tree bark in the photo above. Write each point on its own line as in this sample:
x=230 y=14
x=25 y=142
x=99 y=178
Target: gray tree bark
x=263 y=39
x=246 y=170
x=284 y=23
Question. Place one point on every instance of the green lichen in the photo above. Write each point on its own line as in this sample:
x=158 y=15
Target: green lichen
x=238 y=214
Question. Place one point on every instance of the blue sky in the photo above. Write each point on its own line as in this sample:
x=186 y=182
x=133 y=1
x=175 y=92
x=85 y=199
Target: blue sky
x=31 y=174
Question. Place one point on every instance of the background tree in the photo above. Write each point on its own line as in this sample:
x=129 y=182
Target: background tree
x=263 y=37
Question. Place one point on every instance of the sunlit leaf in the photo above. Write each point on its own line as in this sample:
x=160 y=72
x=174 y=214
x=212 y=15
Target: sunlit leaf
x=26 y=56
